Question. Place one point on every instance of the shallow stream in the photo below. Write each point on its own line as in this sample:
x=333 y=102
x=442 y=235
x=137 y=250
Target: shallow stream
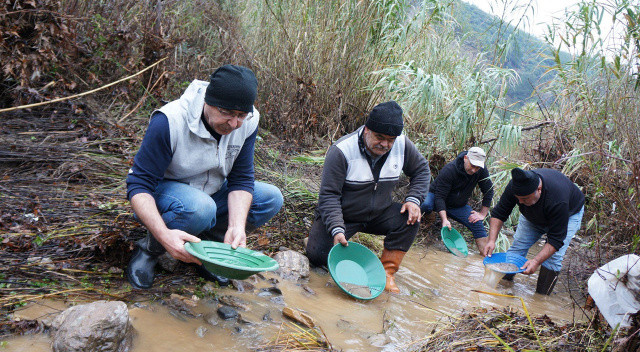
x=434 y=285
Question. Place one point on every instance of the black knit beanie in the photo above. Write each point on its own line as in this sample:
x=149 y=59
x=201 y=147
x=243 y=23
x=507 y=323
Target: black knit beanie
x=386 y=118
x=524 y=182
x=233 y=88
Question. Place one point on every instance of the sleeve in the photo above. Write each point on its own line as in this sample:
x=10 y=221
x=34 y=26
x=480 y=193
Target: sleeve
x=558 y=216
x=334 y=174
x=417 y=168
x=486 y=186
x=443 y=187
x=152 y=159
x=242 y=174
x=505 y=205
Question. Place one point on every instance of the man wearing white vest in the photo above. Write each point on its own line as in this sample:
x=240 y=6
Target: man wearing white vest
x=360 y=172
x=194 y=176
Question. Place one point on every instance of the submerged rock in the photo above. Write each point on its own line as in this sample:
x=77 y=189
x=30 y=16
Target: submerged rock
x=242 y=285
x=293 y=265
x=201 y=331
x=235 y=302
x=211 y=318
x=99 y=326
x=226 y=312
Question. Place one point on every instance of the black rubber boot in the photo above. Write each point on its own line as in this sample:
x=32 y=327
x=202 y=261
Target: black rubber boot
x=209 y=276
x=547 y=279
x=141 y=269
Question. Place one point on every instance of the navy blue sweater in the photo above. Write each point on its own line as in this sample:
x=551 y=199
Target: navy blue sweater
x=154 y=156
x=453 y=186
x=560 y=199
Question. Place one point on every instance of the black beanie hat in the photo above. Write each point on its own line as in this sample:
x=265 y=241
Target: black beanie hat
x=386 y=118
x=524 y=182
x=233 y=88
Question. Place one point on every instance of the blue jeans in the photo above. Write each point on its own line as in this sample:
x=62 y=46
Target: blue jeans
x=527 y=234
x=460 y=215
x=188 y=209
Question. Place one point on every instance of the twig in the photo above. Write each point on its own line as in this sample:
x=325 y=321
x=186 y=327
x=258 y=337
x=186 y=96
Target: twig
x=82 y=94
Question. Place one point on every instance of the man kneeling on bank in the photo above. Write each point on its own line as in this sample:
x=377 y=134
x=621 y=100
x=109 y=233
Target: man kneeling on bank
x=194 y=176
x=360 y=172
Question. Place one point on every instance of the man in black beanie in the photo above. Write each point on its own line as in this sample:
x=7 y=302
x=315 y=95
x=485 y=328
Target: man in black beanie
x=193 y=175
x=360 y=173
x=549 y=203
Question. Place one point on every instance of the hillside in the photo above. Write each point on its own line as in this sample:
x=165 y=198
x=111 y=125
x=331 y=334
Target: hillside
x=508 y=47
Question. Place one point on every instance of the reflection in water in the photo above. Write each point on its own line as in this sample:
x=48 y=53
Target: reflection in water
x=434 y=284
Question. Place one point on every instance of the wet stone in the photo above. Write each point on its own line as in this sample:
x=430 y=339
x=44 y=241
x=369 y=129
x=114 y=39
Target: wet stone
x=234 y=302
x=226 y=312
x=200 y=331
x=344 y=325
x=308 y=289
x=211 y=318
x=209 y=289
x=267 y=317
x=264 y=294
x=242 y=285
x=278 y=300
x=274 y=290
x=378 y=340
x=273 y=281
x=243 y=320
x=176 y=314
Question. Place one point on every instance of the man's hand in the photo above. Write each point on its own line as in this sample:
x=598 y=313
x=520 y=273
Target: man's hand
x=446 y=223
x=488 y=248
x=414 y=214
x=236 y=236
x=475 y=217
x=530 y=266
x=174 y=241
x=339 y=238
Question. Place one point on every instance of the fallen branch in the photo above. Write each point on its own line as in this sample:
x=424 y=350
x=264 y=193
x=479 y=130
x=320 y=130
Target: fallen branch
x=82 y=94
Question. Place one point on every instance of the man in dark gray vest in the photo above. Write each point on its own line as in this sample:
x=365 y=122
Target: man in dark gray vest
x=360 y=173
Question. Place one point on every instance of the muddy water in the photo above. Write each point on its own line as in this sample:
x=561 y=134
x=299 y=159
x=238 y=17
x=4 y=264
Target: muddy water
x=434 y=284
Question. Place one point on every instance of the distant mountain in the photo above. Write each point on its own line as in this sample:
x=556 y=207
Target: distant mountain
x=516 y=49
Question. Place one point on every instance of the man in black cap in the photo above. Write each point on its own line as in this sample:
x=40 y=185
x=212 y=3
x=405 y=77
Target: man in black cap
x=360 y=173
x=549 y=203
x=193 y=174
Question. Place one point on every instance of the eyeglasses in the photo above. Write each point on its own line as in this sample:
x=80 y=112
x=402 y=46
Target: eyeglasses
x=228 y=114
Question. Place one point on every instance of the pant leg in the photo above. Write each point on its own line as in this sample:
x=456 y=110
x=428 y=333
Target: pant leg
x=527 y=234
x=320 y=240
x=461 y=215
x=267 y=201
x=554 y=262
x=393 y=225
x=183 y=207
x=429 y=203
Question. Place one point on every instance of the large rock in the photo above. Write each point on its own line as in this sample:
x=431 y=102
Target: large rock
x=293 y=265
x=99 y=326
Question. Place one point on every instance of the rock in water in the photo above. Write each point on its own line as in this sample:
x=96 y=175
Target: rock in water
x=293 y=265
x=101 y=326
